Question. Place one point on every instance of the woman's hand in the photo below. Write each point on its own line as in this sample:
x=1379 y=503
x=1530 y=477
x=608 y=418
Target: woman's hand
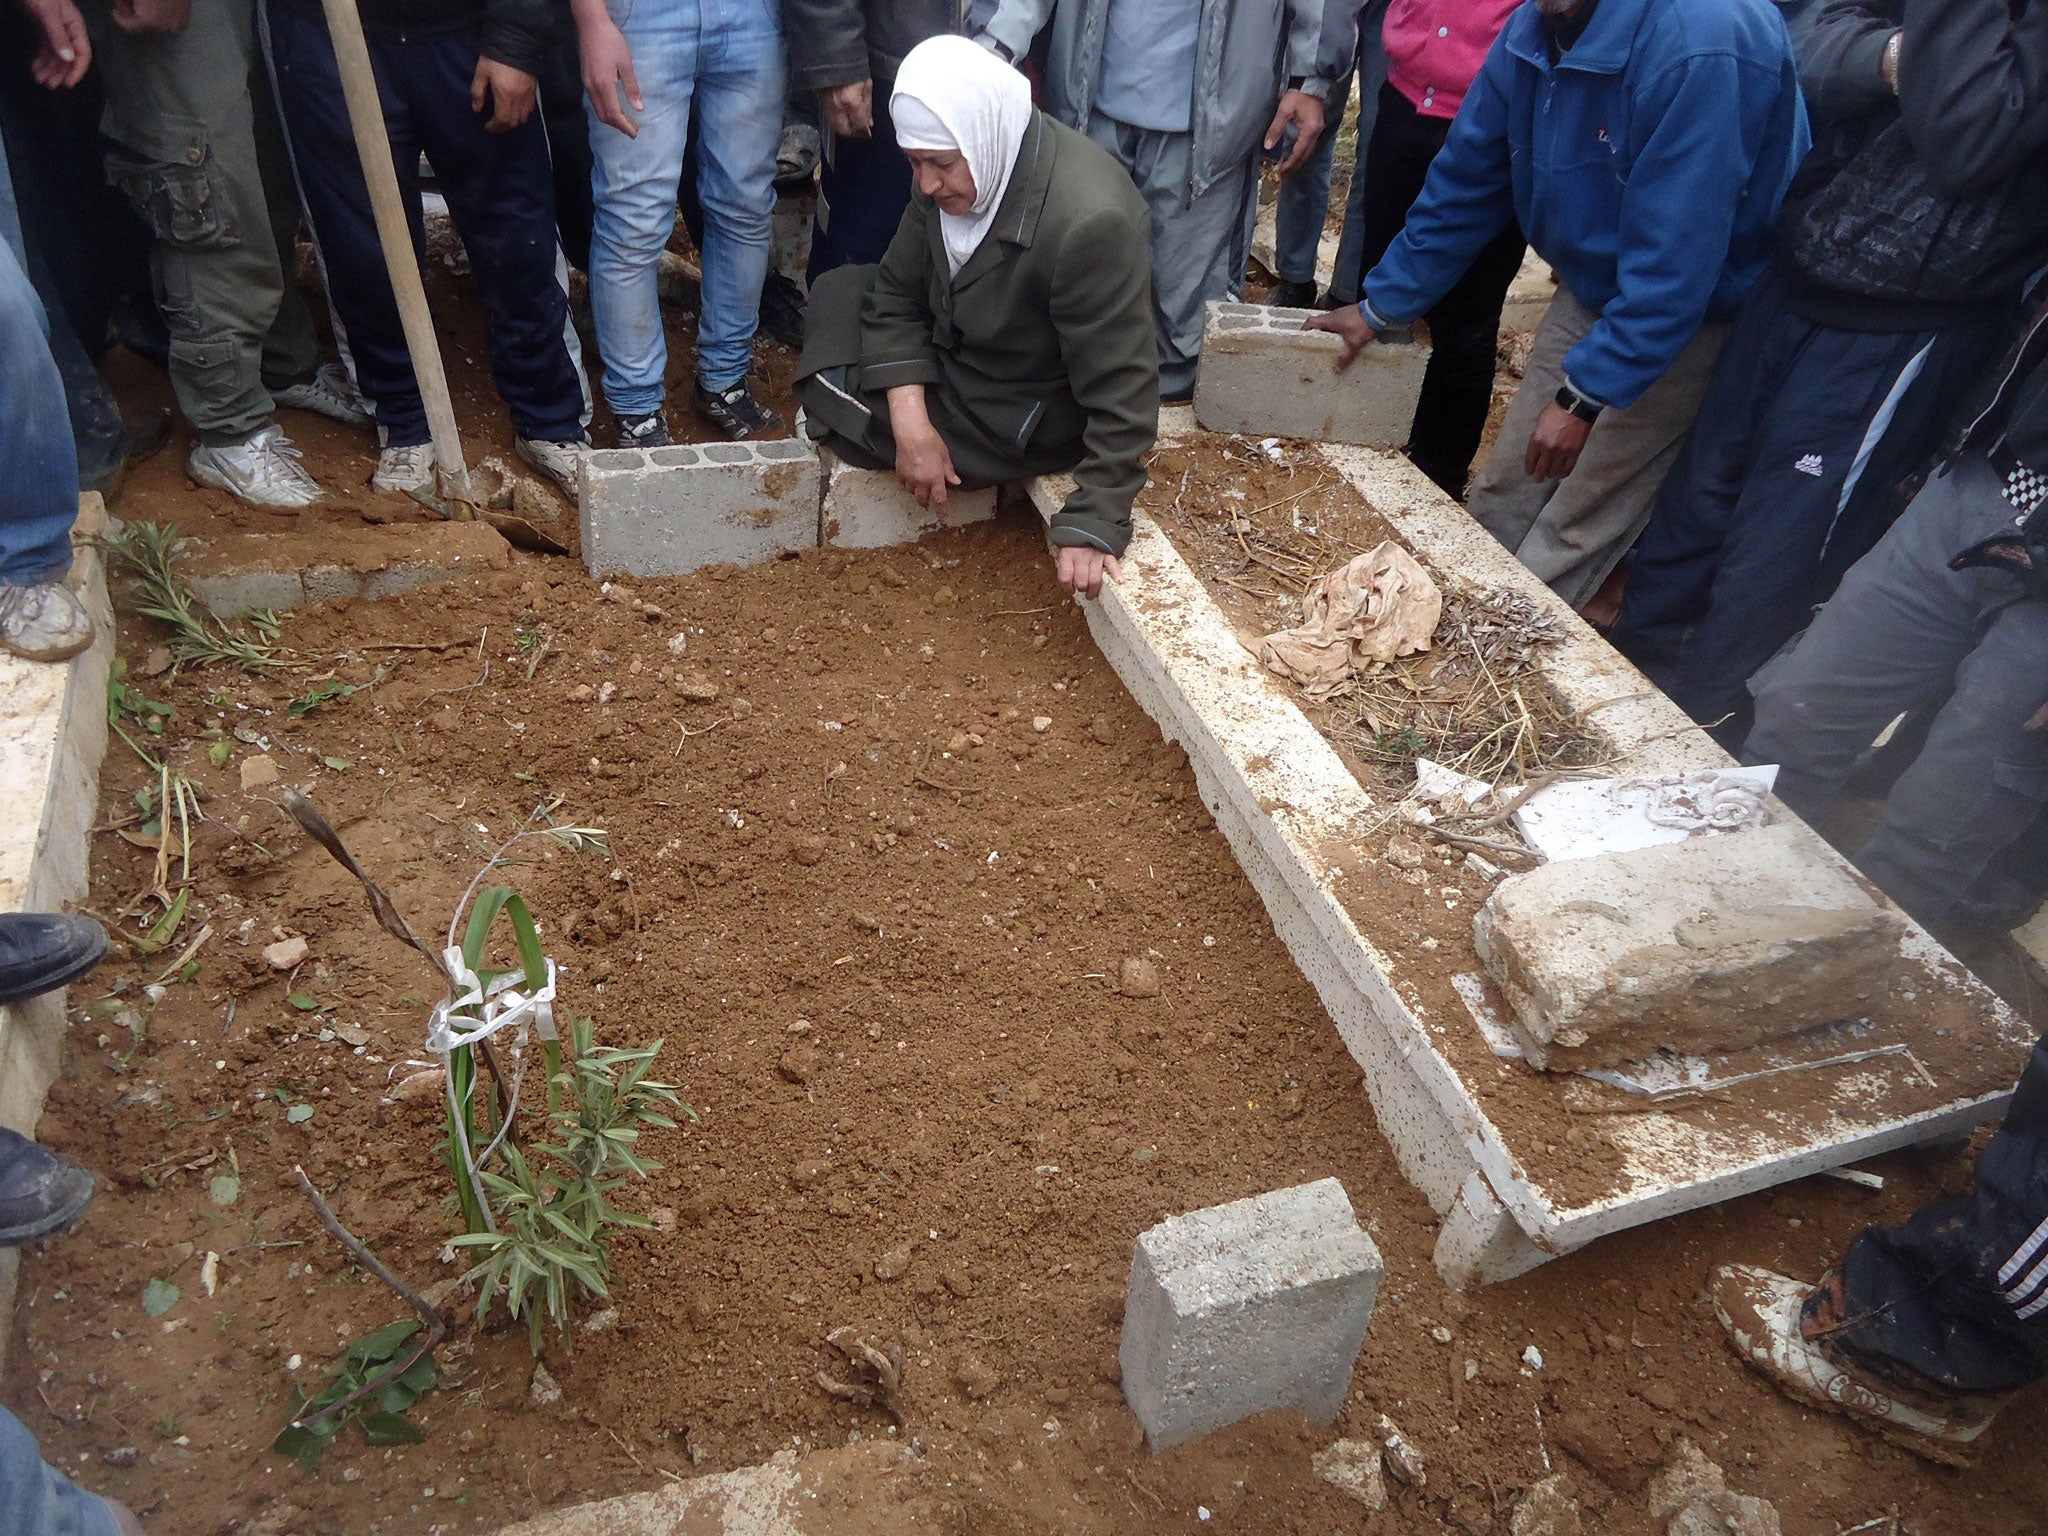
x=1082 y=567
x=608 y=73
x=924 y=467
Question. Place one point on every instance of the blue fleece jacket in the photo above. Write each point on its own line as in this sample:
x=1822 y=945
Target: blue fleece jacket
x=1646 y=167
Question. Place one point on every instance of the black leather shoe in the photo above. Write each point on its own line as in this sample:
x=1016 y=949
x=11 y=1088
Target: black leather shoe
x=42 y=951
x=41 y=1194
x=1293 y=295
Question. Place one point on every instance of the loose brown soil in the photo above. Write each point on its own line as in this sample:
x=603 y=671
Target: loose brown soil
x=864 y=832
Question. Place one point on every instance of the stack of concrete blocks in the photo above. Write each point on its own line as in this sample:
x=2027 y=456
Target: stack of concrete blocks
x=53 y=732
x=670 y=511
x=1241 y=1308
x=1264 y=376
x=1712 y=944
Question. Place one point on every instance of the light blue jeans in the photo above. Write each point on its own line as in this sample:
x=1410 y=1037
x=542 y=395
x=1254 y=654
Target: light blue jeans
x=38 y=1500
x=728 y=54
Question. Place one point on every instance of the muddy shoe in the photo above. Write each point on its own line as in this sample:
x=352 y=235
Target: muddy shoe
x=560 y=462
x=41 y=1194
x=330 y=392
x=42 y=951
x=735 y=411
x=404 y=468
x=263 y=469
x=43 y=622
x=649 y=431
x=1760 y=1311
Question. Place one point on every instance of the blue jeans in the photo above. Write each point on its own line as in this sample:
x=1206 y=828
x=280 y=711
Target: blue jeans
x=38 y=462
x=1304 y=198
x=35 y=1498
x=729 y=55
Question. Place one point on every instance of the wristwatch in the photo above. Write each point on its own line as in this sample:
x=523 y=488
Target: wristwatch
x=1888 y=61
x=1571 y=400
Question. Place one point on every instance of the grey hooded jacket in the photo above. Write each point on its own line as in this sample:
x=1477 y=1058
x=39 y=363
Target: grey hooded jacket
x=1246 y=52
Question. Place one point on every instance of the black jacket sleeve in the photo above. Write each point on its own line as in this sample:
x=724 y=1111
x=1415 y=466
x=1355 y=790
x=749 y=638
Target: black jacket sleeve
x=828 y=43
x=1838 y=62
x=896 y=317
x=1973 y=89
x=519 y=33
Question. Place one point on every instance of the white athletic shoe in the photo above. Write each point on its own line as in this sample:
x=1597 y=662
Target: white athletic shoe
x=1759 y=1309
x=263 y=469
x=560 y=462
x=406 y=469
x=329 y=392
x=43 y=622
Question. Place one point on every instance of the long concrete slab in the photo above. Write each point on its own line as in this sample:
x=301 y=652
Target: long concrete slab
x=1522 y=1165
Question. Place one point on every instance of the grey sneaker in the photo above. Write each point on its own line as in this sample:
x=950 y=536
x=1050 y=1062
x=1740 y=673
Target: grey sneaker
x=330 y=392
x=560 y=462
x=649 y=431
x=404 y=468
x=44 y=622
x=263 y=469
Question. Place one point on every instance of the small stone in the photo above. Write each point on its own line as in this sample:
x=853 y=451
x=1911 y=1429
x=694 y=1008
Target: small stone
x=1138 y=977
x=351 y=1474
x=800 y=1063
x=662 y=1218
x=697 y=688
x=1532 y=1357
x=891 y=1265
x=286 y=953
x=1546 y=1510
x=807 y=850
x=1403 y=1460
x=1102 y=730
x=678 y=643
x=975 y=1378
x=351 y=1036
x=602 y=1322
x=542 y=1391
x=1353 y=1468
x=1441 y=1334
x=122 y=1456
x=809 y=1175
x=1041 y=723
x=960 y=1283
x=607 y=692
x=537 y=506
x=258 y=771
x=741 y=708
x=417 y=1087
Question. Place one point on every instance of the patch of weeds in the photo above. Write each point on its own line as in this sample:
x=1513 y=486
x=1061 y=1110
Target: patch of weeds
x=320 y=693
x=125 y=701
x=151 y=553
x=316 y=1422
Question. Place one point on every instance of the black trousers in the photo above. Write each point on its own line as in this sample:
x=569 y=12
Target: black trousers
x=1959 y=1293
x=1464 y=328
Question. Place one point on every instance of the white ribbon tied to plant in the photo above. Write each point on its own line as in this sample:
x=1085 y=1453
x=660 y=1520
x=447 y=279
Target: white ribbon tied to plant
x=476 y=1011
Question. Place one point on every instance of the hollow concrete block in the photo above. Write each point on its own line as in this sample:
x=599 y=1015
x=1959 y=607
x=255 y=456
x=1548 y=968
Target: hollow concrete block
x=866 y=508
x=1240 y=1308
x=251 y=572
x=1714 y=944
x=1263 y=375
x=669 y=511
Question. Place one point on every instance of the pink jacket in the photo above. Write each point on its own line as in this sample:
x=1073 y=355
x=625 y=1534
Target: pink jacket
x=1435 y=48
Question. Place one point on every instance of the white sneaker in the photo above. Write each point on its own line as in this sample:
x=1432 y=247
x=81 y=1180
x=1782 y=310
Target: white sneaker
x=263 y=469
x=560 y=462
x=43 y=622
x=405 y=470
x=330 y=392
x=1759 y=1310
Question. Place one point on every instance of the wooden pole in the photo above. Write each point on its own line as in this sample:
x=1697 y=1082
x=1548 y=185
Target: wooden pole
x=373 y=145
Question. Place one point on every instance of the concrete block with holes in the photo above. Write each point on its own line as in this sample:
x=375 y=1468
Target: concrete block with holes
x=866 y=508
x=1264 y=376
x=1258 y=1304
x=669 y=511
x=243 y=573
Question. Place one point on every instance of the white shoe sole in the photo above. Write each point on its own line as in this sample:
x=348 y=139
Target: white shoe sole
x=1760 y=1312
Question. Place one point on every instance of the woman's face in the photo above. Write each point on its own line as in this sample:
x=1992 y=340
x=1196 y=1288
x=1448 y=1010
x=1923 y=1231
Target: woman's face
x=942 y=175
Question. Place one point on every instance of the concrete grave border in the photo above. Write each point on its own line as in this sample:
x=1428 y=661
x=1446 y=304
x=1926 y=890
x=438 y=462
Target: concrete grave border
x=53 y=735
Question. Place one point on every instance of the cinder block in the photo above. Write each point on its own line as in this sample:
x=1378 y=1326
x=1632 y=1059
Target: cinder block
x=1715 y=944
x=866 y=508
x=1263 y=375
x=250 y=572
x=1258 y=1304
x=669 y=511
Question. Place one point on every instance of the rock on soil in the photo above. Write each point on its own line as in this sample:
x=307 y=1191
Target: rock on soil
x=1546 y=1510
x=1692 y=1497
x=1353 y=1467
x=1138 y=978
x=974 y=1377
x=258 y=772
x=543 y=1391
x=285 y=953
x=891 y=1265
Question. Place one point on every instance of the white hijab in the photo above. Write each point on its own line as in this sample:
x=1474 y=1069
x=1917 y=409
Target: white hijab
x=952 y=94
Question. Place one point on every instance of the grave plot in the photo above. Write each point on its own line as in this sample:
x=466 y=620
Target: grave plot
x=1524 y=1165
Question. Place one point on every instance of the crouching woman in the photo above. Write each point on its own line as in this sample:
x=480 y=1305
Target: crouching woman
x=1007 y=331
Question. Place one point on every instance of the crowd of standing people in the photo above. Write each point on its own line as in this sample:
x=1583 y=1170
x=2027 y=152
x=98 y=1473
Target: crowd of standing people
x=1782 y=432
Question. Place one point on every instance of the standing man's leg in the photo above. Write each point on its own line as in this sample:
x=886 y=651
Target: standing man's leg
x=633 y=183
x=41 y=619
x=1193 y=240
x=1371 y=74
x=181 y=119
x=1302 y=207
x=742 y=81
x=863 y=187
x=561 y=106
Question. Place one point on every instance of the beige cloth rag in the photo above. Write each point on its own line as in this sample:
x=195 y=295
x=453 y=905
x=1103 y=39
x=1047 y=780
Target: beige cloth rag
x=1375 y=607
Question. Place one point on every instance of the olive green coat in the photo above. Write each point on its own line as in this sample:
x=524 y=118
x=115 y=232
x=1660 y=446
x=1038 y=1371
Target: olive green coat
x=1038 y=357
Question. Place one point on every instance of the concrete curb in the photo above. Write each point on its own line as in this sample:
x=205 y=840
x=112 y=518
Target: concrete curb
x=53 y=734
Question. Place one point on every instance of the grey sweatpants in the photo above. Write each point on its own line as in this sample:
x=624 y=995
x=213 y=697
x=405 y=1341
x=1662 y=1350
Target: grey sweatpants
x=1573 y=532
x=1899 y=632
x=197 y=148
x=1195 y=255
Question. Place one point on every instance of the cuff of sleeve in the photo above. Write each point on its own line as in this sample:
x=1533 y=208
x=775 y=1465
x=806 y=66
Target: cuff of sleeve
x=888 y=373
x=1375 y=319
x=995 y=33
x=1318 y=88
x=504 y=45
x=1863 y=62
x=1586 y=394
x=1088 y=530
x=828 y=76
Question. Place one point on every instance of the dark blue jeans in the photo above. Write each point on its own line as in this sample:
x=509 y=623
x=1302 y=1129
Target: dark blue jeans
x=38 y=463
x=863 y=188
